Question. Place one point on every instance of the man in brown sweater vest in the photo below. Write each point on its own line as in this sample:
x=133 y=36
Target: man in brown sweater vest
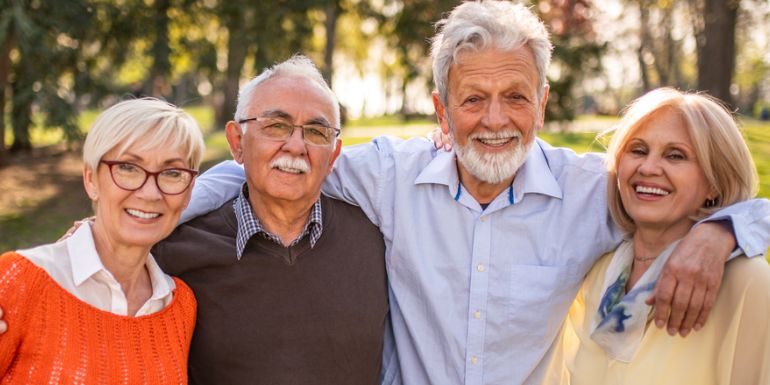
x=290 y=284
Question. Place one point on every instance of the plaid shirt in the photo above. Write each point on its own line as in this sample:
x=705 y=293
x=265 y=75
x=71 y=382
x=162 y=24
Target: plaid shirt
x=249 y=225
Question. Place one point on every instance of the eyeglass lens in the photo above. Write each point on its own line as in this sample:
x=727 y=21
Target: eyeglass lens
x=129 y=176
x=312 y=133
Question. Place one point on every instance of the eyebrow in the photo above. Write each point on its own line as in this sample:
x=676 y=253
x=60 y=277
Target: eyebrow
x=138 y=158
x=280 y=114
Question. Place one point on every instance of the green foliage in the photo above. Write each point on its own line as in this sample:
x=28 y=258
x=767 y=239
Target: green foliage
x=576 y=53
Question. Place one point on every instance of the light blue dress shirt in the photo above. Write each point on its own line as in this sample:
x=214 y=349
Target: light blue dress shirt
x=478 y=296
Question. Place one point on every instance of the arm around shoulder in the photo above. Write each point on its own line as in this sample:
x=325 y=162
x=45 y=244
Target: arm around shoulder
x=362 y=172
x=214 y=188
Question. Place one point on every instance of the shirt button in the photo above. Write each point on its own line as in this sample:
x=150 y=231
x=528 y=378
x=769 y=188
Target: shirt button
x=480 y=267
x=477 y=314
x=483 y=218
x=474 y=360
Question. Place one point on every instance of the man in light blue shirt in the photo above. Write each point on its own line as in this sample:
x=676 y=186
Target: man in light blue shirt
x=487 y=244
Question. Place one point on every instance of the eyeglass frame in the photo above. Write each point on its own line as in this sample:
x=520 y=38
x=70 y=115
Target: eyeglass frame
x=147 y=175
x=336 y=130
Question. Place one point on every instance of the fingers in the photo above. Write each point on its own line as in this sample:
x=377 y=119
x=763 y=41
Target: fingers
x=693 y=311
x=662 y=296
x=680 y=306
x=710 y=298
x=3 y=325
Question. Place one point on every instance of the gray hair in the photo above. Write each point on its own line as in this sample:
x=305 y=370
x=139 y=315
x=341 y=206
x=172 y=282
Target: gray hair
x=299 y=66
x=488 y=24
x=147 y=122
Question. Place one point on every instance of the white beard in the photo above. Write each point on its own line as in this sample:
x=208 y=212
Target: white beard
x=491 y=167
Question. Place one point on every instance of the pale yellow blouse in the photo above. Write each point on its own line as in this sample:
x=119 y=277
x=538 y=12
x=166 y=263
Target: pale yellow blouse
x=732 y=348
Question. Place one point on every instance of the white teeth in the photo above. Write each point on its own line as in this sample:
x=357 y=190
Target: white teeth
x=290 y=170
x=495 y=142
x=142 y=214
x=651 y=190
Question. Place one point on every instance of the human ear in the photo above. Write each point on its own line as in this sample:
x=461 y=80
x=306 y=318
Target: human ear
x=234 y=135
x=440 y=112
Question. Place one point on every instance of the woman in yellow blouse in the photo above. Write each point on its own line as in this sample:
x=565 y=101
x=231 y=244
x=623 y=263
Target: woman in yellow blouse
x=674 y=159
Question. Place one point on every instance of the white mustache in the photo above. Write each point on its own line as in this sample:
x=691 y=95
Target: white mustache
x=290 y=164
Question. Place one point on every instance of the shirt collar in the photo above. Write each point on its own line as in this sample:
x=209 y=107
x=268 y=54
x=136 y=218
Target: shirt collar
x=534 y=176
x=249 y=225
x=85 y=262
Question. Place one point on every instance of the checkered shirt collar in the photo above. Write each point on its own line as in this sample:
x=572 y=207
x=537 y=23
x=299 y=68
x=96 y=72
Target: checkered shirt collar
x=249 y=225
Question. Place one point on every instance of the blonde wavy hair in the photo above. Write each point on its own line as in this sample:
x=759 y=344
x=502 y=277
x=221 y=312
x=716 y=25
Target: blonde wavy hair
x=719 y=147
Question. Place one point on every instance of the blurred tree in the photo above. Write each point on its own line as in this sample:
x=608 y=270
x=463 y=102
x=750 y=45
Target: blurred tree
x=408 y=31
x=576 y=53
x=267 y=32
x=158 y=83
x=43 y=35
x=715 y=39
x=660 y=54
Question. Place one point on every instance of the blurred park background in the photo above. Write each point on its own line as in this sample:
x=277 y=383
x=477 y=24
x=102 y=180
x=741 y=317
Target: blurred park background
x=63 y=61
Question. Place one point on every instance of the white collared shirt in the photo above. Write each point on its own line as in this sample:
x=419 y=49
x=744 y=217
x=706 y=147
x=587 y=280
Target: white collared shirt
x=75 y=265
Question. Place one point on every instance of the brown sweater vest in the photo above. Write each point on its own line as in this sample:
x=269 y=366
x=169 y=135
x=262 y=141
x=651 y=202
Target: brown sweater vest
x=262 y=320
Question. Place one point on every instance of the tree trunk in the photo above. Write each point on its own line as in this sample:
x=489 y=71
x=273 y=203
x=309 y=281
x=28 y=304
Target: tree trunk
x=332 y=11
x=5 y=71
x=157 y=84
x=21 y=105
x=237 y=48
x=644 y=44
x=716 y=48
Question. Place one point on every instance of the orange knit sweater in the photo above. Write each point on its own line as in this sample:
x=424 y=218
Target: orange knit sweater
x=55 y=338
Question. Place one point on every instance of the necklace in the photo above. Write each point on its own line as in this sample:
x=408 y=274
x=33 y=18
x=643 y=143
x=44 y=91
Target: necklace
x=644 y=259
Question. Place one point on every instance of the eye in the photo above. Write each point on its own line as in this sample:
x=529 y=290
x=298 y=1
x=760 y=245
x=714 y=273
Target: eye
x=676 y=155
x=315 y=131
x=637 y=150
x=172 y=173
x=517 y=97
x=472 y=100
x=127 y=168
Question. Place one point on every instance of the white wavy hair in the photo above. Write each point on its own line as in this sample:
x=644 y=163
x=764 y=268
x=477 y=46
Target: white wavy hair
x=488 y=24
x=298 y=66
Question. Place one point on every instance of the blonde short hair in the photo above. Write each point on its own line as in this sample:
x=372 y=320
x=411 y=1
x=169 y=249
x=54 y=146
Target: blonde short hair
x=719 y=147
x=148 y=122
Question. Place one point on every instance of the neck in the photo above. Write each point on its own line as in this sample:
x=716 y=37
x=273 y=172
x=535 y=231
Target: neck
x=483 y=192
x=286 y=219
x=127 y=265
x=649 y=242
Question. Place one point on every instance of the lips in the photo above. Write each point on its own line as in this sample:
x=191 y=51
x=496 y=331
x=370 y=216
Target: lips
x=142 y=214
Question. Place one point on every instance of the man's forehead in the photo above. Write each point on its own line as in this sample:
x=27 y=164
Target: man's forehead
x=291 y=97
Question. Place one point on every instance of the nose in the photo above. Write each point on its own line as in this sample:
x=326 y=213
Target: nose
x=650 y=166
x=150 y=190
x=495 y=117
x=295 y=143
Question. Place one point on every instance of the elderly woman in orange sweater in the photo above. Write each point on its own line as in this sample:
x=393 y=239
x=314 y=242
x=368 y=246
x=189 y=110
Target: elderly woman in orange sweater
x=674 y=159
x=96 y=308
